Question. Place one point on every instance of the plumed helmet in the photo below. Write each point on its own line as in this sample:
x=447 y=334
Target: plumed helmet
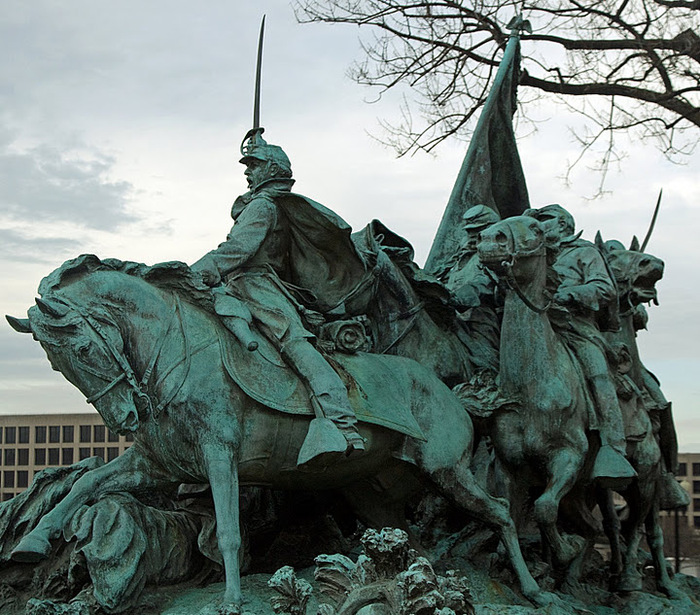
x=479 y=217
x=254 y=147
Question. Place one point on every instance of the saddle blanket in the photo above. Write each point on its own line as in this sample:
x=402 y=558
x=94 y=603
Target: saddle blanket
x=379 y=389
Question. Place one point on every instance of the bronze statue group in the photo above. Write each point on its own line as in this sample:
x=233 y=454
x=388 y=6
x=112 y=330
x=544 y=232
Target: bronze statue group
x=217 y=368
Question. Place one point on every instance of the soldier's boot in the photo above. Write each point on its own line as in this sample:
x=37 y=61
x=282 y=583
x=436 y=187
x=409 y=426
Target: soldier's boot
x=333 y=434
x=671 y=495
x=611 y=470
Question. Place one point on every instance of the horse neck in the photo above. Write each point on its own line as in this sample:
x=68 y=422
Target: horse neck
x=530 y=351
x=139 y=310
x=628 y=336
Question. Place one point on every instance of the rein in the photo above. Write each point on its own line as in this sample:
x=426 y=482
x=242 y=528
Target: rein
x=510 y=279
x=411 y=313
x=140 y=386
x=512 y=283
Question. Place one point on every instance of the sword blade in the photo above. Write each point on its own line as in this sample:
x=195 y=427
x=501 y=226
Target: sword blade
x=258 y=77
x=653 y=222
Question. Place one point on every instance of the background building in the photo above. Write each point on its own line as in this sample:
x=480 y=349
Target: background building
x=30 y=443
x=689 y=476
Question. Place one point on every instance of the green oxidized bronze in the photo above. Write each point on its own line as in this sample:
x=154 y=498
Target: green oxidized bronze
x=300 y=357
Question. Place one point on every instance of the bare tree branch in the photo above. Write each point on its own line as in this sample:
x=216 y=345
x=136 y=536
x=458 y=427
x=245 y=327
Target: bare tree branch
x=642 y=56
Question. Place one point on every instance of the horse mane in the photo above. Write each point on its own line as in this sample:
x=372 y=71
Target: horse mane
x=172 y=276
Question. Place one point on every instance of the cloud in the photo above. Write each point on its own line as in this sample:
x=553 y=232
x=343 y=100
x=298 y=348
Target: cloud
x=15 y=246
x=46 y=184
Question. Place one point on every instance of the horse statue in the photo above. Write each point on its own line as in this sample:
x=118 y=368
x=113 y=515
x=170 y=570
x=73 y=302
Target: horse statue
x=636 y=275
x=156 y=365
x=544 y=444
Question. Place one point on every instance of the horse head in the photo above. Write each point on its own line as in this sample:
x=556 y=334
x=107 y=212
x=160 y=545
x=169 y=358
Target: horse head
x=86 y=348
x=636 y=273
x=507 y=248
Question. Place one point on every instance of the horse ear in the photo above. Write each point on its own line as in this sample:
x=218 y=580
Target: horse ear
x=634 y=246
x=600 y=243
x=20 y=325
x=52 y=307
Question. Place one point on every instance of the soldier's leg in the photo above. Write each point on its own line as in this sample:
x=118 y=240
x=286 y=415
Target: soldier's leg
x=326 y=387
x=611 y=467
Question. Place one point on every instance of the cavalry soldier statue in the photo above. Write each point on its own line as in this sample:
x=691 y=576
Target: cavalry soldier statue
x=585 y=303
x=474 y=292
x=288 y=259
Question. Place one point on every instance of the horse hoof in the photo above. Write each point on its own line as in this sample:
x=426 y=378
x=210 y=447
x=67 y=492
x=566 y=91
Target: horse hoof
x=569 y=549
x=31 y=549
x=545 y=599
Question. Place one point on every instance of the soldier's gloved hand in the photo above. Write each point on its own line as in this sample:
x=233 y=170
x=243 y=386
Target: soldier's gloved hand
x=563 y=297
x=210 y=278
x=312 y=317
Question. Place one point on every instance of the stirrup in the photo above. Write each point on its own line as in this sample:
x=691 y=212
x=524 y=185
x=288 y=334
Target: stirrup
x=323 y=446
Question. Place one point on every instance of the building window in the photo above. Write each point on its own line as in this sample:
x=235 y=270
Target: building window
x=682 y=469
x=39 y=456
x=68 y=432
x=24 y=435
x=85 y=431
x=130 y=437
x=99 y=451
x=696 y=521
x=22 y=478
x=696 y=504
x=10 y=457
x=40 y=434
x=10 y=433
x=83 y=453
x=8 y=479
x=696 y=486
x=53 y=457
x=112 y=453
x=54 y=434
x=99 y=433
x=23 y=457
x=67 y=456
x=696 y=469
x=6 y=497
x=111 y=436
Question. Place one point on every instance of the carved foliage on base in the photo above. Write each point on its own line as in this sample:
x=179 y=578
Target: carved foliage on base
x=389 y=573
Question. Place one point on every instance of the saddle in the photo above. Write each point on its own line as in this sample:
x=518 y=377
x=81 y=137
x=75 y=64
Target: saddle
x=378 y=392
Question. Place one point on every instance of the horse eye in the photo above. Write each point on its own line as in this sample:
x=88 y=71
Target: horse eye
x=501 y=237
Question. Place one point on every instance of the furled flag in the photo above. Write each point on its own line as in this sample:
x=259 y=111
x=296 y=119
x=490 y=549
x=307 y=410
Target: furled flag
x=491 y=172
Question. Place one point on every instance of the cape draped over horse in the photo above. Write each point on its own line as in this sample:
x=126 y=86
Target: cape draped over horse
x=151 y=364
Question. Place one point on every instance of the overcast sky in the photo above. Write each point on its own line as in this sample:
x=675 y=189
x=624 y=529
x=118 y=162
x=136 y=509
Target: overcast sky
x=120 y=124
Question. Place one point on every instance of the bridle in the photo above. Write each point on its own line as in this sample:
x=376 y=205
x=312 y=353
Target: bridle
x=509 y=277
x=127 y=374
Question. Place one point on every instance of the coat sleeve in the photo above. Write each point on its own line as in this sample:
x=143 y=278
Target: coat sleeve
x=595 y=288
x=249 y=232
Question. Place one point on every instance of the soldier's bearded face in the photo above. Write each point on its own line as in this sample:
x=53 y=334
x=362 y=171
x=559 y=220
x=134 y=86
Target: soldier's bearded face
x=256 y=172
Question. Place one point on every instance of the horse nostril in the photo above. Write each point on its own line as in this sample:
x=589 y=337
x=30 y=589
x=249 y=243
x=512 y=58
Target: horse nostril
x=131 y=421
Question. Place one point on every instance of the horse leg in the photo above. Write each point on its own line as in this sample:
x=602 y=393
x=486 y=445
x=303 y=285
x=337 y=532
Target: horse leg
x=129 y=472
x=563 y=468
x=611 y=527
x=222 y=471
x=655 y=539
x=459 y=485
